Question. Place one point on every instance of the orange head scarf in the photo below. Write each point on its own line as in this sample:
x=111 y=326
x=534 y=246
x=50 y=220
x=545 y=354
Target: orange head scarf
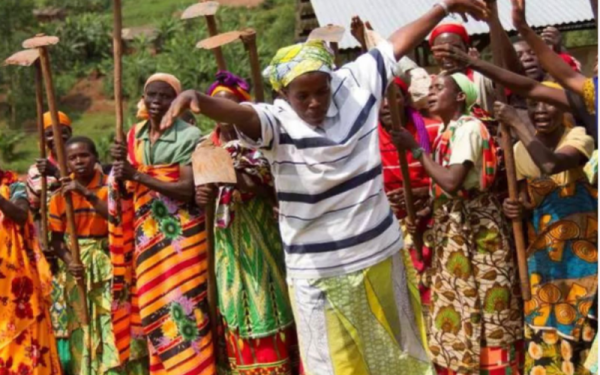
x=63 y=119
x=162 y=77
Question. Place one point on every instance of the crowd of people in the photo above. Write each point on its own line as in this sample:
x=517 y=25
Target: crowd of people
x=318 y=268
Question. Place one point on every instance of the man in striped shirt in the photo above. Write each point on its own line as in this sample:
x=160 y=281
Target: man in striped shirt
x=346 y=277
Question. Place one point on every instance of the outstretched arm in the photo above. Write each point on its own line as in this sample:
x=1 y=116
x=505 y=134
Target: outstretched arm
x=549 y=161
x=410 y=36
x=500 y=37
x=220 y=110
x=551 y=62
x=449 y=179
x=521 y=85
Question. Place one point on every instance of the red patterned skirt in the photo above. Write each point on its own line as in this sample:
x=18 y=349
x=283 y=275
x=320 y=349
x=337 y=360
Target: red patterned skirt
x=276 y=354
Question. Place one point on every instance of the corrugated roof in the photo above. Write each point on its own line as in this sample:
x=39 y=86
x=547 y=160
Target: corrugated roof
x=387 y=16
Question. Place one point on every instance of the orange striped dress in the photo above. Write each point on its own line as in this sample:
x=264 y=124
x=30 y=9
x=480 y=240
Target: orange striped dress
x=158 y=251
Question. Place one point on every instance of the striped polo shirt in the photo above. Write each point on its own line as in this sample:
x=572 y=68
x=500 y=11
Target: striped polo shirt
x=334 y=215
x=88 y=222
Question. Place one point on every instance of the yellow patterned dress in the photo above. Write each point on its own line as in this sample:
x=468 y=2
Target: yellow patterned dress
x=27 y=344
x=562 y=261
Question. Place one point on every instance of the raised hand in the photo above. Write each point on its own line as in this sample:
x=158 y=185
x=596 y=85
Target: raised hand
x=76 y=270
x=396 y=198
x=451 y=52
x=205 y=194
x=552 y=36
x=474 y=53
x=518 y=14
x=512 y=209
x=475 y=8
x=187 y=100
x=357 y=29
x=403 y=140
x=506 y=114
x=46 y=168
x=71 y=186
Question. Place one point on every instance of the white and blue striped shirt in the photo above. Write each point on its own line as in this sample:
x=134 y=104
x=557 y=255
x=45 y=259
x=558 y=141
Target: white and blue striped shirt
x=334 y=215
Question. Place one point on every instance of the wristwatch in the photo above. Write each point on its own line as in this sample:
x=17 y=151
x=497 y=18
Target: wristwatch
x=417 y=152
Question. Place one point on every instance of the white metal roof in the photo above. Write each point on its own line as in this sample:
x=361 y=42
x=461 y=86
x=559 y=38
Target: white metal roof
x=387 y=16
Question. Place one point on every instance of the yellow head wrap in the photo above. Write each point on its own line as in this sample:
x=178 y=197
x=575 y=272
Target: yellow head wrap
x=566 y=120
x=291 y=62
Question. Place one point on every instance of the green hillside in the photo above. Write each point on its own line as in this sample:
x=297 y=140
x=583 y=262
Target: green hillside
x=83 y=66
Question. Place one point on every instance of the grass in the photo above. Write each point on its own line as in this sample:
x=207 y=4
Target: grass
x=141 y=13
x=94 y=125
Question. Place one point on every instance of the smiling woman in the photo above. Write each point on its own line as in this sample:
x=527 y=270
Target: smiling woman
x=562 y=211
x=471 y=247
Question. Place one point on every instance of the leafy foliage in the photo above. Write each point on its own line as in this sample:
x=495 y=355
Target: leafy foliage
x=8 y=144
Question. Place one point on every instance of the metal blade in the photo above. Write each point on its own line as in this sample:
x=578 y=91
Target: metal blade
x=23 y=58
x=329 y=33
x=40 y=40
x=219 y=40
x=207 y=8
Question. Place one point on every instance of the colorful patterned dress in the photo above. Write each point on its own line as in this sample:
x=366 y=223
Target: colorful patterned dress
x=250 y=270
x=158 y=252
x=562 y=261
x=58 y=308
x=92 y=232
x=475 y=318
x=27 y=344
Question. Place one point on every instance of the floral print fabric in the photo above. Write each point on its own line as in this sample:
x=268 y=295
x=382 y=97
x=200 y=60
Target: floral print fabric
x=158 y=252
x=550 y=354
x=27 y=343
x=474 y=285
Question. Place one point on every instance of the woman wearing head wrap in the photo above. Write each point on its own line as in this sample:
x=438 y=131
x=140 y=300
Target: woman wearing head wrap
x=49 y=168
x=250 y=269
x=345 y=274
x=455 y=34
x=580 y=96
x=157 y=243
x=27 y=344
x=475 y=323
x=562 y=211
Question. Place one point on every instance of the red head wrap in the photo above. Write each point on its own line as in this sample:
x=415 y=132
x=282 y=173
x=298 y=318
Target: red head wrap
x=452 y=28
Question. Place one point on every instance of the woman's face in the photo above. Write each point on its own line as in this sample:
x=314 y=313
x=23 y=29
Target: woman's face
x=444 y=62
x=545 y=117
x=49 y=137
x=310 y=96
x=158 y=97
x=81 y=160
x=529 y=60
x=444 y=96
x=385 y=116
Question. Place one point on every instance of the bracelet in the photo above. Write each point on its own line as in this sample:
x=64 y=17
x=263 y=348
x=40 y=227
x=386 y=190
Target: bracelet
x=444 y=7
x=417 y=152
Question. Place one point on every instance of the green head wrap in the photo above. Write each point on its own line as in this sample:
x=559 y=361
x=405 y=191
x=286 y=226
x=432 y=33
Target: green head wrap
x=468 y=88
x=291 y=62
